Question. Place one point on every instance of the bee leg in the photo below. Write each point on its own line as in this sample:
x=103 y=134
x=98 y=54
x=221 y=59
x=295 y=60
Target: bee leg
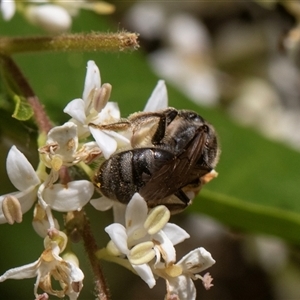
x=182 y=197
x=176 y=206
x=164 y=121
x=119 y=126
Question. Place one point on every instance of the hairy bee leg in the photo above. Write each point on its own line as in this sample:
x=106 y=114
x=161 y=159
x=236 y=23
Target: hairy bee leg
x=114 y=126
x=163 y=123
x=181 y=195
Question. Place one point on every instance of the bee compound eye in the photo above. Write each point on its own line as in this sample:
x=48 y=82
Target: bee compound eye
x=194 y=117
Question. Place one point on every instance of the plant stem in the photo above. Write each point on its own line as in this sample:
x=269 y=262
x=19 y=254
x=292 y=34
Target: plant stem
x=16 y=77
x=90 y=245
x=103 y=254
x=120 y=41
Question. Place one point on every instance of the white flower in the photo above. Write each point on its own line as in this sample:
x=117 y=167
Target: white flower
x=61 y=146
x=158 y=99
x=94 y=108
x=51 y=18
x=52 y=15
x=66 y=197
x=144 y=237
x=61 y=197
x=8 y=8
x=24 y=178
x=179 y=277
x=51 y=266
x=61 y=150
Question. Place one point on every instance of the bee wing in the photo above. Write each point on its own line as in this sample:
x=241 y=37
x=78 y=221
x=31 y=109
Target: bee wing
x=175 y=173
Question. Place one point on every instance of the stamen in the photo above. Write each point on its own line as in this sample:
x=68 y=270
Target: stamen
x=101 y=96
x=141 y=253
x=112 y=249
x=157 y=219
x=11 y=208
x=56 y=163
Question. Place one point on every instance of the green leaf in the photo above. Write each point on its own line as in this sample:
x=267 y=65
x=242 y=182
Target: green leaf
x=250 y=217
x=23 y=110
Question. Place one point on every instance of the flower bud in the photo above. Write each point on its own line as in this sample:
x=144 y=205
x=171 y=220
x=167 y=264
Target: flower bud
x=51 y=18
x=7 y=9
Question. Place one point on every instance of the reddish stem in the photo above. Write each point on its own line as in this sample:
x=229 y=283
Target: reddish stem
x=18 y=79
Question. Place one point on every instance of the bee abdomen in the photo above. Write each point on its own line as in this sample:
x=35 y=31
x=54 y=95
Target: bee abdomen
x=127 y=172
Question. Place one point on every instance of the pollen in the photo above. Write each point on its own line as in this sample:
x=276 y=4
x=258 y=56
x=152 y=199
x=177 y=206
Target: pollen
x=70 y=144
x=173 y=270
x=56 y=163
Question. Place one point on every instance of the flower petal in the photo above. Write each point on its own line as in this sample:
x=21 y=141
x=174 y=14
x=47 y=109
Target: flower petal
x=158 y=99
x=75 y=273
x=175 y=233
x=27 y=271
x=75 y=109
x=196 y=261
x=20 y=171
x=106 y=143
x=136 y=214
x=72 y=196
x=41 y=227
x=66 y=138
x=117 y=233
x=27 y=198
x=165 y=246
x=144 y=271
x=180 y=287
x=119 y=210
x=82 y=129
x=92 y=81
x=121 y=140
x=109 y=114
x=103 y=203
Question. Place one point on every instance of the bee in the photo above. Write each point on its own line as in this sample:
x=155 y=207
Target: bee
x=174 y=152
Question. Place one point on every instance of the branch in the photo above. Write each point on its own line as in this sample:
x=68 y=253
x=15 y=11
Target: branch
x=120 y=41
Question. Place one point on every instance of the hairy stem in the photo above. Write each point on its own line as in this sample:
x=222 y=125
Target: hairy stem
x=120 y=41
x=83 y=226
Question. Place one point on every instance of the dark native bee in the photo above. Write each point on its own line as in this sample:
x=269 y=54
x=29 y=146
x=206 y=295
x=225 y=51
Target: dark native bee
x=174 y=153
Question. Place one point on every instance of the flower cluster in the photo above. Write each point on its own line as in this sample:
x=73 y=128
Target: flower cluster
x=141 y=240
x=52 y=15
x=50 y=264
x=146 y=245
